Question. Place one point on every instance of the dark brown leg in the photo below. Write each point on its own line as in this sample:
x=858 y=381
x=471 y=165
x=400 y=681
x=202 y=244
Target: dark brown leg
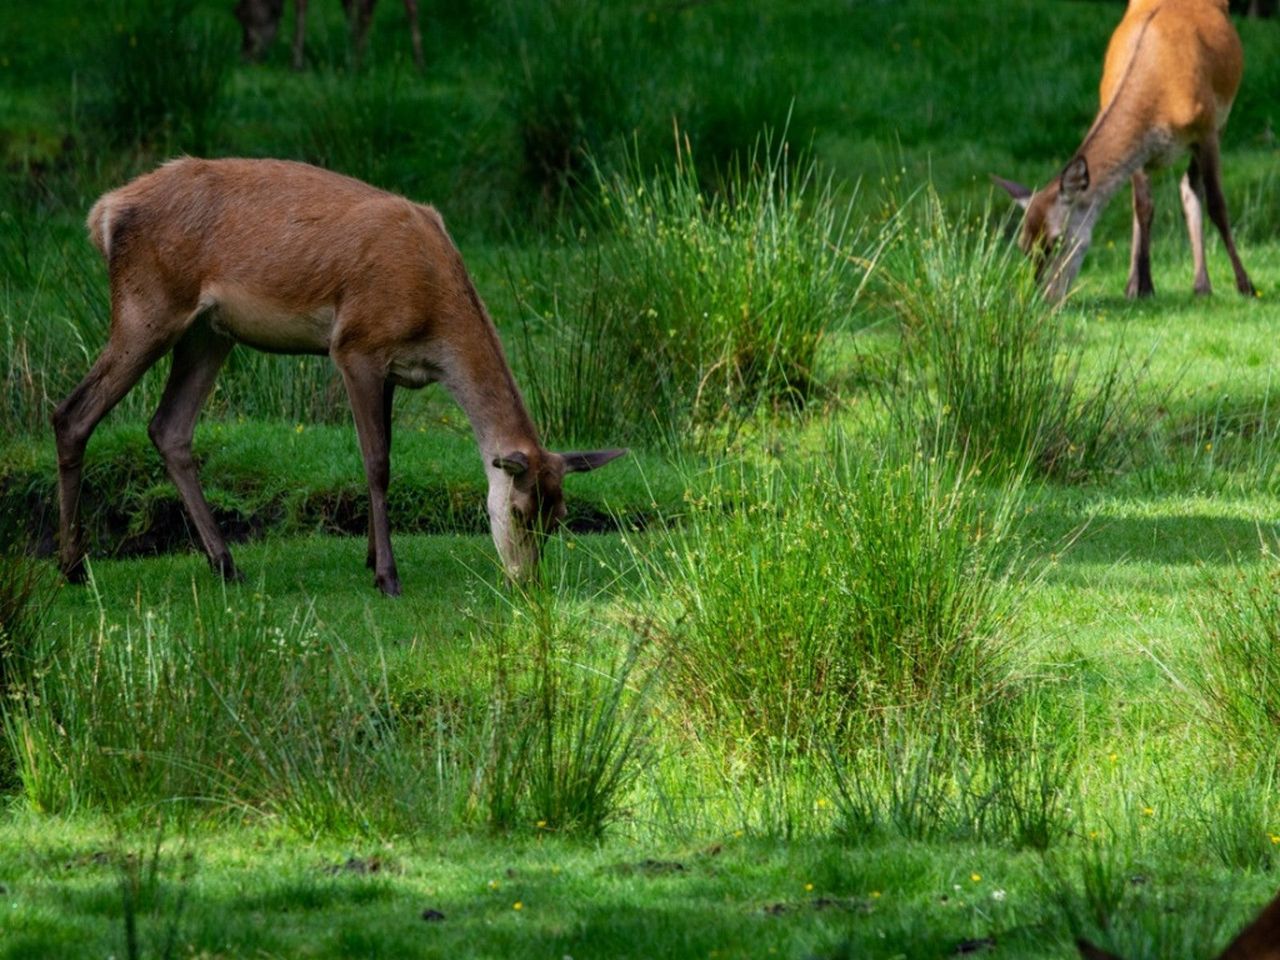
x=130 y=351
x=359 y=16
x=366 y=384
x=1140 y=284
x=1207 y=154
x=197 y=357
x=388 y=394
x=415 y=31
x=299 y=32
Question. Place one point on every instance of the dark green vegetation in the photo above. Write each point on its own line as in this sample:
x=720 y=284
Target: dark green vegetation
x=923 y=618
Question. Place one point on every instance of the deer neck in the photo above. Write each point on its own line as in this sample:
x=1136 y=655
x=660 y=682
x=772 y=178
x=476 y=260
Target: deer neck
x=480 y=381
x=1116 y=148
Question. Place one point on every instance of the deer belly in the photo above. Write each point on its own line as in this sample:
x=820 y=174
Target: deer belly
x=269 y=325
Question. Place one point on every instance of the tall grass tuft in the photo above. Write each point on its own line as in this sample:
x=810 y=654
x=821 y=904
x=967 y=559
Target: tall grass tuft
x=567 y=728
x=248 y=708
x=692 y=308
x=164 y=71
x=24 y=595
x=925 y=775
x=984 y=349
x=1238 y=678
x=570 y=86
x=807 y=602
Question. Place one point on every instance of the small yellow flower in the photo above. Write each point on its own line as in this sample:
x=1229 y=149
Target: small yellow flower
x=875 y=894
x=1275 y=838
x=517 y=905
x=975 y=877
x=822 y=803
x=542 y=824
x=1113 y=757
x=1148 y=811
x=493 y=884
x=808 y=888
x=298 y=428
x=1208 y=447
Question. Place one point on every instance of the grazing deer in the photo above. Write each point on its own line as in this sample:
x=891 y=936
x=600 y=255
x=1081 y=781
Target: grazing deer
x=1258 y=941
x=289 y=258
x=1171 y=73
x=260 y=20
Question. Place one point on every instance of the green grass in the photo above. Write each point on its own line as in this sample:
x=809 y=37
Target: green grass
x=929 y=685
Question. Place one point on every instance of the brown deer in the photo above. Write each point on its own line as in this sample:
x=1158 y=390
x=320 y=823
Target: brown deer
x=1171 y=73
x=260 y=20
x=289 y=258
x=1258 y=941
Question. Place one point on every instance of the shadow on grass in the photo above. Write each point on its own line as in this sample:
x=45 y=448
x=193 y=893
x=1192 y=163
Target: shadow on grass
x=1081 y=534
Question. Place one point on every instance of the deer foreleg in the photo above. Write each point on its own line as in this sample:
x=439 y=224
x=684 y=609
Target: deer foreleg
x=415 y=31
x=299 y=32
x=359 y=17
x=1207 y=154
x=388 y=394
x=366 y=386
x=1140 y=284
x=197 y=357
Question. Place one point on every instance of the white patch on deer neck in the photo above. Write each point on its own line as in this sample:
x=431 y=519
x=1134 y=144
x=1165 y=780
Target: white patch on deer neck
x=514 y=547
x=1076 y=237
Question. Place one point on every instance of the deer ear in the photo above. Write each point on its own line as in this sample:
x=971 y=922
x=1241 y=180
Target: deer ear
x=1075 y=179
x=1090 y=952
x=1021 y=195
x=589 y=460
x=515 y=464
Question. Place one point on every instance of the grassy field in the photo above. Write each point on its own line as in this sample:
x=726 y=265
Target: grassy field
x=924 y=618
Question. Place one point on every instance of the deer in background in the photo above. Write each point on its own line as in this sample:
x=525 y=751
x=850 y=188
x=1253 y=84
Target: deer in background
x=1171 y=72
x=289 y=258
x=260 y=20
x=1258 y=941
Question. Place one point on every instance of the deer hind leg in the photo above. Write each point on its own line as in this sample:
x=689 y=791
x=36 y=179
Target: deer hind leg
x=136 y=342
x=1140 y=284
x=1207 y=154
x=360 y=17
x=1192 y=191
x=415 y=31
x=197 y=357
x=366 y=389
x=388 y=394
x=299 y=32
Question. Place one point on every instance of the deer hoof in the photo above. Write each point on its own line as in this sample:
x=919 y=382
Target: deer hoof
x=225 y=567
x=75 y=571
x=389 y=585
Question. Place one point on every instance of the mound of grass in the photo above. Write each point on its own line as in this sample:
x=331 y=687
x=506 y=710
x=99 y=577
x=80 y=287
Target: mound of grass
x=989 y=361
x=817 y=599
x=1239 y=675
x=252 y=705
x=694 y=307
